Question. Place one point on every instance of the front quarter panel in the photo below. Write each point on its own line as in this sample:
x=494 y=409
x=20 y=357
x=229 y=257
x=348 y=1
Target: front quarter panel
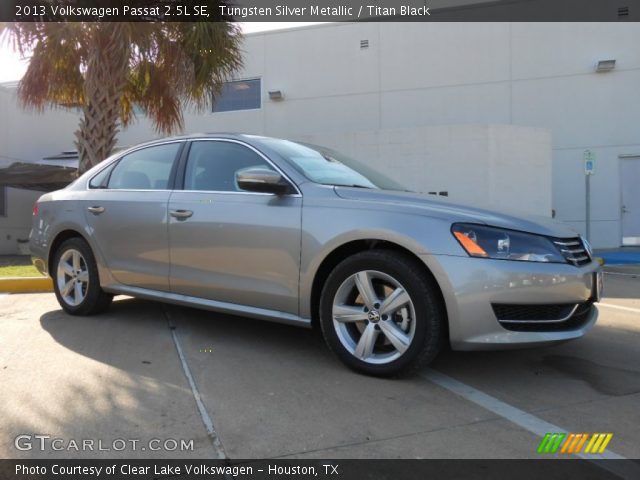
x=329 y=222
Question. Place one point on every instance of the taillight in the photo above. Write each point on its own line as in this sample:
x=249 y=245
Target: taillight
x=35 y=209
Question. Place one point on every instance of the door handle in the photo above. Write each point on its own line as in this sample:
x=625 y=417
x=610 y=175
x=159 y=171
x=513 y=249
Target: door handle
x=181 y=214
x=96 y=210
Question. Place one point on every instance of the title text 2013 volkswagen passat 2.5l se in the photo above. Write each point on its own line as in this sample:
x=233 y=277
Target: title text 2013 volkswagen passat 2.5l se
x=295 y=233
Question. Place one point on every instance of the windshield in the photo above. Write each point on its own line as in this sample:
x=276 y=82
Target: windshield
x=328 y=167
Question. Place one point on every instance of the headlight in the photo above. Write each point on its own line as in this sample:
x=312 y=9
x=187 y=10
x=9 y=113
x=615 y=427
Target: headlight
x=498 y=243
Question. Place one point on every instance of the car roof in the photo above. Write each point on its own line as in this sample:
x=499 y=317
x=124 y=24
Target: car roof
x=190 y=136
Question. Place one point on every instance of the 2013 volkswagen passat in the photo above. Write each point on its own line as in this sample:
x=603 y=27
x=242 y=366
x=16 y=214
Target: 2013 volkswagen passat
x=294 y=233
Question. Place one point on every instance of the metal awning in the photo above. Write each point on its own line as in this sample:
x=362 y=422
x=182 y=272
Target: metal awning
x=51 y=173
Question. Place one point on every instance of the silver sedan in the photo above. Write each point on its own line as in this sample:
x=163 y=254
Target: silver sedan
x=300 y=234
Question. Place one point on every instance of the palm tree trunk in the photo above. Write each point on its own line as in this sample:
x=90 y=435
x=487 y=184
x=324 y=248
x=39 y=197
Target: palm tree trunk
x=105 y=78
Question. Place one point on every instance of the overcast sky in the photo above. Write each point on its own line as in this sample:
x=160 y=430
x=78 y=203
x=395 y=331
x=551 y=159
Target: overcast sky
x=12 y=67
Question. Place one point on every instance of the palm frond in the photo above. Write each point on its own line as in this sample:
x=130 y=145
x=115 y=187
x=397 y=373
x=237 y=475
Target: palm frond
x=163 y=68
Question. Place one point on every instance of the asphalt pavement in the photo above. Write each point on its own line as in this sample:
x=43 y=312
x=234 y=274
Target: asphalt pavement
x=174 y=382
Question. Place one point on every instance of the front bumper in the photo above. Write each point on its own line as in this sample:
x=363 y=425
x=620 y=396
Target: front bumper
x=472 y=286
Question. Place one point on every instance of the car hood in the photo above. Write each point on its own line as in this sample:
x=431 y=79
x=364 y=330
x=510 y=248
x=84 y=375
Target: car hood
x=435 y=207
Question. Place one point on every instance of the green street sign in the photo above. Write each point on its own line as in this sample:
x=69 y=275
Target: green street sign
x=589 y=162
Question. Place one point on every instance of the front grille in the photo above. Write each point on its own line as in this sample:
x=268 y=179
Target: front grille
x=573 y=250
x=543 y=318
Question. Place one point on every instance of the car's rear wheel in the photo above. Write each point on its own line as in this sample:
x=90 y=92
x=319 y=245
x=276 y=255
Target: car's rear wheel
x=76 y=281
x=382 y=314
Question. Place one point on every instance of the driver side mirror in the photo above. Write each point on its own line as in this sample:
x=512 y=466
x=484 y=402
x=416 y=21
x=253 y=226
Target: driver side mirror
x=262 y=180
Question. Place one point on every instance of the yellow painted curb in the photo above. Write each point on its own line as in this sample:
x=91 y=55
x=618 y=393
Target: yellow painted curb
x=25 y=284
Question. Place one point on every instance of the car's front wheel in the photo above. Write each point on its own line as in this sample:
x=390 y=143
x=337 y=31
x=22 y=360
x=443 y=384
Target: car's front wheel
x=76 y=281
x=381 y=313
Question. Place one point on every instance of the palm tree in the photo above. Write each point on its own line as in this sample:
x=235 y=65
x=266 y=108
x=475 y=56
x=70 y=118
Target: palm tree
x=107 y=69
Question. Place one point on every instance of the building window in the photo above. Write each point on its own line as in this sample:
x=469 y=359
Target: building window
x=3 y=201
x=239 y=95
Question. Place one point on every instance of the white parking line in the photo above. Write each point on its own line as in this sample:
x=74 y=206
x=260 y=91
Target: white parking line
x=527 y=421
x=621 y=274
x=619 y=307
x=206 y=418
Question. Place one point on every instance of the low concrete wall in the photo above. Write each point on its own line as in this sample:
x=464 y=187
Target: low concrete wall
x=17 y=223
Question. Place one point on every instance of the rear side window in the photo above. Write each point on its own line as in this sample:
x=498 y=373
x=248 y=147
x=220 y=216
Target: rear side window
x=100 y=180
x=146 y=169
x=212 y=165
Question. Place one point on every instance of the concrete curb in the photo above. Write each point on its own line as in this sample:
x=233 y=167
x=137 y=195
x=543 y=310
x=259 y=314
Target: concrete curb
x=25 y=284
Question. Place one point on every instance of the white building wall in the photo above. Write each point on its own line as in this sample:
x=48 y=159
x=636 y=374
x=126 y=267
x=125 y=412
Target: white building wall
x=482 y=165
x=415 y=75
x=25 y=137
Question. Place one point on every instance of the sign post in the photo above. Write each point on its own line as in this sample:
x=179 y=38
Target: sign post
x=589 y=169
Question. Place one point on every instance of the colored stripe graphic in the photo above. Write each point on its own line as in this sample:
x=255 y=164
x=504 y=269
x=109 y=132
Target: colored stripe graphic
x=551 y=442
x=572 y=443
x=581 y=443
x=598 y=442
x=543 y=443
x=606 y=442
x=568 y=445
x=591 y=443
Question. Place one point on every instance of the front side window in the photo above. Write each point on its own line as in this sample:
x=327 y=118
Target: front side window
x=145 y=169
x=213 y=165
x=238 y=95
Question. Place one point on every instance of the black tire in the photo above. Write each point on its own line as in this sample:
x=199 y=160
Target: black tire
x=95 y=299
x=430 y=317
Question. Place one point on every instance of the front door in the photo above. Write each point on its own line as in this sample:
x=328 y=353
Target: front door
x=630 y=178
x=127 y=211
x=231 y=245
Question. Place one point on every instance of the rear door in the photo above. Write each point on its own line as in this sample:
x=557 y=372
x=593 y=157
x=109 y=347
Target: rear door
x=127 y=212
x=231 y=245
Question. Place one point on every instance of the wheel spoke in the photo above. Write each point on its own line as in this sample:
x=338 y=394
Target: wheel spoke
x=365 y=287
x=68 y=269
x=393 y=302
x=66 y=290
x=83 y=276
x=76 y=261
x=78 y=293
x=399 y=339
x=348 y=313
x=364 y=349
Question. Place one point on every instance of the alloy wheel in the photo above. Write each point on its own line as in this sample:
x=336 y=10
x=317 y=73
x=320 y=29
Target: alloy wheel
x=374 y=317
x=73 y=277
